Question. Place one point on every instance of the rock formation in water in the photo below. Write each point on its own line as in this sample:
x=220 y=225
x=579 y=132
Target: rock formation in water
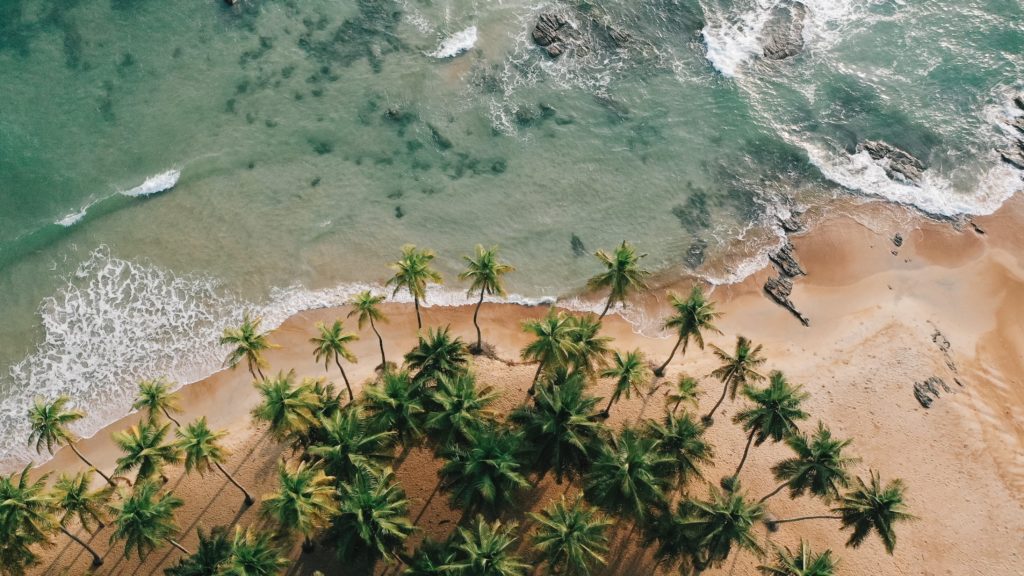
x=900 y=165
x=779 y=290
x=783 y=34
x=552 y=32
x=785 y=261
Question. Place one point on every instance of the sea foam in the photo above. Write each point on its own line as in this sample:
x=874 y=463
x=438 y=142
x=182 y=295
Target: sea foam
x=456 y=44
x=154 y=184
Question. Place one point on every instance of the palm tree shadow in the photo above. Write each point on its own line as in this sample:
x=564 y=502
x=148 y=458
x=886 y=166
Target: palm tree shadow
x=427 y=502
x=56 y=560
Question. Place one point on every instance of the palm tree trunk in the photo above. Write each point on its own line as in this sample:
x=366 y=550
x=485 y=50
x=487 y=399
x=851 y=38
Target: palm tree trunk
x=260 y=372
x=607 y=306
x=344 y=377
x=179 y=546
x=708 y=418
x=96 y=560
x=383 y=361
x=479 y=337
x=676 y=407
x=533 y=384
x=746 y=450
x=773 y=492
x=661 y=369
x=171 y=418
x=248 y=497
x=416 y=303
x=89 y=464
x=801 y=518
x=307 y=545
x=608 y=408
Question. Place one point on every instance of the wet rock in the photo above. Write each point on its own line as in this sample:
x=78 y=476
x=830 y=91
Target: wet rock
x=785 y=261
x=576 y=243
x=1019 y=101
x=779 y=289
x=552 y=32
x=900 y=165
x=231 y=2
x=897 y=240
x=928 y=391
x=1017 y=122
x=1013 y=156
x=619 y=37
x=783 y=33
x=792 y=224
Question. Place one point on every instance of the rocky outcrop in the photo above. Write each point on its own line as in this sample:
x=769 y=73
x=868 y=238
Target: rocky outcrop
x=926 y=392
x=1019 y=101
x=785 y=261
x=897 y=240
x=783 y=34
x=1018 y=123
x=553 y=32
x=1013 y=156
x=792 y=224
x=899 y=164
x=779 y=289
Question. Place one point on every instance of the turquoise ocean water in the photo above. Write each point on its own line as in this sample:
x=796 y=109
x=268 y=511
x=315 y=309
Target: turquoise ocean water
x=165 y=166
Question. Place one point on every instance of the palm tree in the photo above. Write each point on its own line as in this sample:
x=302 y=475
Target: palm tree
x=687 y=390
x=436 y=355
x=485 y=473
x=553 y=345
x=289 y=409
x=819 y=466
x=692 y=318
x=629 y=476
x=631 y=374
x=718 y=524
x=351 y=444
x=485 y=549
x=773 y=416
x=682 y=440
x=571 y=538
x=213 y=551
x=803 y=562
x=202 y=450
x=590 y=353
x=50 y=422
x=365 y=305
x=558 y=427
x=622 y=274
x=304 y=502
x=252 y=554
x=413 y=272
x=144 y=448
x=145 y=518
x=432 y=558
x=737 y=371
x=395 y=403
x=26 y=518
x=458 y=407
x=247 y=343
x=75 y=501
x=485 y=274
x=332 y=344
x=156 y=398
x=373 y=517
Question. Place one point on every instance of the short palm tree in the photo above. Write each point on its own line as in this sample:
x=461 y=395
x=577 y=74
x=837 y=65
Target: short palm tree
x=373 y=517
x=571 y=537
x=252 y=553
x=332 y=344
x=213 y=551
x=486 y=549
x=692 y=317
x=50 y=421
x=249 y=344
x=717 y=525
x=553 y=344
x=351 y=445
x=202 y=451
x=432 y=558
x=457 y=407
x=485 y=274
x=395 y=403
x=818 y=466
x=773 y=416
x=681 y=438
x=287 y=408
x=687 y=391
x=413 y=272
x=622 y=274
x=145 y=450
x=367 y=307
x=590 y=351
x=629 y=476
x=558 y=428
x=76 y=501
x=437 y=354
x=631 y=374
x=305 y=501
x=156 y=398
x=803 y=562
x=485 y=473
x=144 y=519
x=26 y=518
x=737 y=371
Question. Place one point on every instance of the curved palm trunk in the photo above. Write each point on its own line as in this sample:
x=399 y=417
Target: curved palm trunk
x=344 y=377
x=479 y=337
x=248 y=497
x=773 y=492
x=536 y=375
x=171 y=418
x=96 y=560
x=608 y=408
x=801 y=518
x=746 y=450
x=416 y=303
x=383 y=361
x=661 y=369
x=89 y=464
x=607 y=306
x=725 y=389
x=179 y=546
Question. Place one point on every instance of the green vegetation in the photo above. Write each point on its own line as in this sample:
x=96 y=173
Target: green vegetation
x=622 y=274
x=332 y=344
x=156 y=398
x=413 y=273
x=248 y=344
x=691 y=319
x=485 y=274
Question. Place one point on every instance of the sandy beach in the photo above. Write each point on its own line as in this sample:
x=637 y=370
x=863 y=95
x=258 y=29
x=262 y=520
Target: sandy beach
x=880 y=318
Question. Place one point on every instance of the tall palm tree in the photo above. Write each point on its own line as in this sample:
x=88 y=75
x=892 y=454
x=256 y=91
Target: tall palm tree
x=558 y=427
x=457 y=407
x=305 y=501
x=26 y=518
x=486 y=549
x=622 y=274
x=144 y=519
x=631 y=374
x=682 y=439
x=332 y=344
x=629 y=476
x=289 y=409
x=437 y=354
x=213 y=551
x=484 y=475
x=156 y=398
x=773 y=416
x=366 y=306
x=737 y=371
x=485 y=274
x=373 y=517
x=716 y=525
x=50 y=421
x=202 y=450
x=351 y=444
x=818 y=466
x=591 y=352
x=248 y=344
x=76 y=501
x=553 y=344
x=692 y=317
x=252 y=553
x=144 y=449
x=413 y=272
x=395 y=403
x=803 y=562
x=571 y=537
x=687 y=390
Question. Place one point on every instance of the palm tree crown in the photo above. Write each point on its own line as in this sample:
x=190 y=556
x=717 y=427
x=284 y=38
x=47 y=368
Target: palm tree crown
x=737 y=371
x=485 y=473
x=50 y=421
x=145 y=518
x=571 y=537
x=252 y=553
x=413 y=272
x=687 y=391
x=332 y=345
x=485 y=549
x=873 y=507
x=457 y=408
x=691 y=318
x=145 y=450
x=631 y=374
x=553 y=344
x=202 y=450
x=803 y=562
x=289 y=409
x=304 y=502
x=590 y=352
x=818 y=465
x=773 y=416
x=156 y=398
x=373 y=518
x=351 y=445
x=718 y=524
x=26 y=512
x=629 y=476
x=681 y=438
x=367 y=307
x=213 y=551
x=395 y=403
x=248 y=344
x=485 y=274
x=436 y=355
x=75 y=500
x=622 y=274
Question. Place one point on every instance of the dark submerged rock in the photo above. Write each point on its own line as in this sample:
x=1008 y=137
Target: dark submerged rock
x=552 y=32
x=783 y=33
x=1013 y=156
x=779 y=289
x=901 y=165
